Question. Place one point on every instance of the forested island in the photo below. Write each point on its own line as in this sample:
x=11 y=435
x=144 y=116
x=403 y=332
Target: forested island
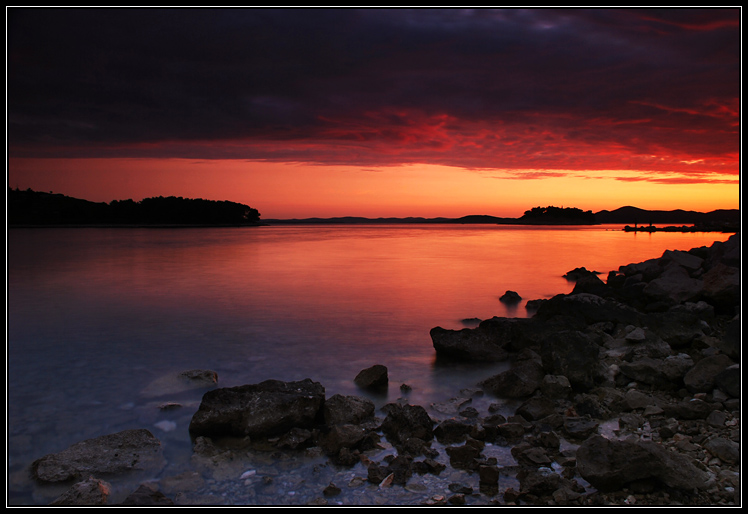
x=34 y=208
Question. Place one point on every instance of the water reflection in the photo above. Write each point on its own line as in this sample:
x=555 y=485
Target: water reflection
x=97 y=315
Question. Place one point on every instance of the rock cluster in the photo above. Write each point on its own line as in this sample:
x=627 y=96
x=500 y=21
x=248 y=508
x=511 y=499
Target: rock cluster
x=627 y=392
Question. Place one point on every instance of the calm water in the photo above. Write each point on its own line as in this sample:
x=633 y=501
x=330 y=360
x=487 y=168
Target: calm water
x=97 y=318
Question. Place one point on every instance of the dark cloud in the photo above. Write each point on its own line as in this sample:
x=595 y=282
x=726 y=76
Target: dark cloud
x=525 y=88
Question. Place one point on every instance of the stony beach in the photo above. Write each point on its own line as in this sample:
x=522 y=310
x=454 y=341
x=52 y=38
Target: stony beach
x=625 y=391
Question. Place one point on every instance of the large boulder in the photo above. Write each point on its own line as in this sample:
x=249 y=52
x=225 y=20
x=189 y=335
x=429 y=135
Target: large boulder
x=341 y=410
x=610 y=465
x=575 y=355
x=468 y=344
x=404 y=422
x=587 y=309
x=266 y=409
x=122 y=452
x=522 y=379
x=701 y=378
x=721 y=287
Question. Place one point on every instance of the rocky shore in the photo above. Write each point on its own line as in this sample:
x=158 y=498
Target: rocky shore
x=625 y=391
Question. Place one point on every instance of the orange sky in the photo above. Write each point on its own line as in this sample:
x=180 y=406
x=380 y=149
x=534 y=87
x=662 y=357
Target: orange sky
x=283 y=190
x=379 y=112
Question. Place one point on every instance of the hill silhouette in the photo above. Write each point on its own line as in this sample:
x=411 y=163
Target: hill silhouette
x=34 y=208
x=37 y=208
x=635 y=215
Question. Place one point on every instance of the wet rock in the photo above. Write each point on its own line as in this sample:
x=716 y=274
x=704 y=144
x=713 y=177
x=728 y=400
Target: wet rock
x=521 y=380
x=465 y=456
x=578 y=273
x=340 y=409
x=510 y=298
x=538 y=481
x=204 y=377
x=488 y=479
x=332 y=441
x=511 y=431
x=406 y=421
x=331 y=490
x=528 y=455
x=295 y=439
x=536 y=408
x=90 y=492
x=451 y=431
x=374 y=378
x=113 y=454
x=468 y=344
x=147 y=496
x=269 y=408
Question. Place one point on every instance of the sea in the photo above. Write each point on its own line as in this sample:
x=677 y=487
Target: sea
x=101 y=320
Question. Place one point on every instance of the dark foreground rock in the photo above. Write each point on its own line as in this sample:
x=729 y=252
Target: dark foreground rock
x=611 y=465
x=126 y=451
x=269 y=408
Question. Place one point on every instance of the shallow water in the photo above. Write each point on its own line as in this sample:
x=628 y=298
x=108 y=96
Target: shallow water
x=99 y=319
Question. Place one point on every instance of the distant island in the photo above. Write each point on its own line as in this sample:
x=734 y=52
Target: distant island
x=725 y=220
x=34 y=208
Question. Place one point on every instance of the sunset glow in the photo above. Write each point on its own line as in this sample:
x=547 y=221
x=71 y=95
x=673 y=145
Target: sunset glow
x=379 y=113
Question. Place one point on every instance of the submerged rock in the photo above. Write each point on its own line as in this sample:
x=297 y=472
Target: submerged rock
x=510 y=298
x=374 y=378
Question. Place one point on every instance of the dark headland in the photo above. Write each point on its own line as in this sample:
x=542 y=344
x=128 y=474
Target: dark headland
x=34 y=208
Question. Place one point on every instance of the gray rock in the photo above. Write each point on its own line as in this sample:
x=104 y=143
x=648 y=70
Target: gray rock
x=575 y=355
x=729 y=380
x=536 y=408
x=374 y=378
x=555 y=386
x=701 y=378
x=521 y=380
x=340 y=409
x=468 y=344
x=675 y=284
x=406 y=421
x=91 y=492
x=113 y=454
x=724 y=449
x=146 y=496
x=266 y=409
x=610 y=465
x=721 y=287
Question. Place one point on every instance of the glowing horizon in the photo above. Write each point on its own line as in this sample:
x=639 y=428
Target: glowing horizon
x=282 y=190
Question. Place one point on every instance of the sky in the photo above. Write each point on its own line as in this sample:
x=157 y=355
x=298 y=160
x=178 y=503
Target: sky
x=378 y=112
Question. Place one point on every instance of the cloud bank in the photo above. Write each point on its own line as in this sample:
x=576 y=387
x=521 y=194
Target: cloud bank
x=534 y=89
